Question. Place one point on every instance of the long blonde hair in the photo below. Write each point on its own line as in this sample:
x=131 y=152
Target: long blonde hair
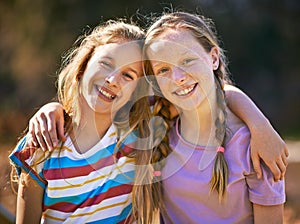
x=76 y=60
x=204 y=31
x=73 y=67
x=138 y=107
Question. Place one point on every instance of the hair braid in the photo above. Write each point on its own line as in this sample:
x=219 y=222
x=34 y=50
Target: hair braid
x=147 y=191
x=161 y=147
x=219 y=178
x=162 y=109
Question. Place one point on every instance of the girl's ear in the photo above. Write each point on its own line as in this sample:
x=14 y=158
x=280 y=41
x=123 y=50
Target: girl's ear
x=214 y=53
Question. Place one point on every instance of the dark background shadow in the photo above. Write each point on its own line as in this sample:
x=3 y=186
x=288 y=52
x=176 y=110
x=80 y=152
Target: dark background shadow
x=261 y=37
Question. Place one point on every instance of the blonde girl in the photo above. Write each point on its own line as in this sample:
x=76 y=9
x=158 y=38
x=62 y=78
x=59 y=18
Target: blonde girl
x=206 y=175
x=88 y=178
x=46 y=128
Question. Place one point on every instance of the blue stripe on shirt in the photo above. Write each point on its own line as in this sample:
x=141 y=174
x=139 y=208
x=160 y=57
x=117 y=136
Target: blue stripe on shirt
x=123 y=178
x=115 y=219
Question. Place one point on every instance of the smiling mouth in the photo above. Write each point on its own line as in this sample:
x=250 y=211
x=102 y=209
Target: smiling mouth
x=186 y=90
x=106 y=94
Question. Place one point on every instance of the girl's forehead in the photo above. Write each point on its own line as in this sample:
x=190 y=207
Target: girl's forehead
x=120 y=53
x=173 y=46
x=176 y=35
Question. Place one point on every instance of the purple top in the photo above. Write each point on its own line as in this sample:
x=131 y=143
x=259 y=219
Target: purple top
x=188 y=171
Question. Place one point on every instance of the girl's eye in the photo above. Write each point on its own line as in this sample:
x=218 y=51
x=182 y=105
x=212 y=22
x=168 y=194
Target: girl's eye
x=162 y=71
x=105 y=64
x=187 y=61
x=128 y=76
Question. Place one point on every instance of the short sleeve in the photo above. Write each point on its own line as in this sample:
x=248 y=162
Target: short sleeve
x=30 y=161
x=266 y=191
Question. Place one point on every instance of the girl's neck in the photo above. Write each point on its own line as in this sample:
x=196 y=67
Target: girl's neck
x=91 y=128
x=198 y=125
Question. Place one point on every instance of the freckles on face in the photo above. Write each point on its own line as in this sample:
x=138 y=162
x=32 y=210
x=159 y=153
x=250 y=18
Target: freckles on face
x=178 y=48
x=182 y=67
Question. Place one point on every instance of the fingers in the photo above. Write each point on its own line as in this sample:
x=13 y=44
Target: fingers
x=284 y=160
x=282 y=168
x=35 y=138
x=41 y=134
x=51 y=137
x=275 y=169
x=38 y=134
x=278 y=168
x=286 y=151
x=256 y=165
x=32 y=141
x=60 y=129
x=282 y=165
x=46 y=131
x=46 y=127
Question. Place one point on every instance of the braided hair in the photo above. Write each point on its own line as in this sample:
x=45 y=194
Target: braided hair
x=204 y=31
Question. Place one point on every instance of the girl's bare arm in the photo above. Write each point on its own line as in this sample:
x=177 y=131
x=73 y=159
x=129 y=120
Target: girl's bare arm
x=29 y=200
x=266 y=144
x=268 y=214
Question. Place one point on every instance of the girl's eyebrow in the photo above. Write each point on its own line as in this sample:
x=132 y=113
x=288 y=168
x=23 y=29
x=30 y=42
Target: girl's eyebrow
x=156 y=63
x=188 y=52
x=134 y=71
x=106 y=57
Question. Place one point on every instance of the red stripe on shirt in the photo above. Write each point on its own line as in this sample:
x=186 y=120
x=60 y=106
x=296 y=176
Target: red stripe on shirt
x=64 y=173
x=112 y=192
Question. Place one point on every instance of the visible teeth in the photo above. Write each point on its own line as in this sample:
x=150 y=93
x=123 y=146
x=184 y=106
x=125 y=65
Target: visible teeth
x=185 y=91
x=108 y=95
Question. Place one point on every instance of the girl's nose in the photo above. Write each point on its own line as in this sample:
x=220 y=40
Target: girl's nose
x=112 y=80
x=179 y=75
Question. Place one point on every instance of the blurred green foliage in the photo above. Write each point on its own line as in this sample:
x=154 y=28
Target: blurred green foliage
x=262 y=39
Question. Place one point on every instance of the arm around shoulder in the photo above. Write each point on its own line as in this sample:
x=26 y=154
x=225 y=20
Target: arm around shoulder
x=266 y=143
x=46 y=127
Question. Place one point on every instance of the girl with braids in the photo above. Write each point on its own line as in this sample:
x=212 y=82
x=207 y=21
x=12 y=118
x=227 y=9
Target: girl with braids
x=206 y=172
x=192 y=100
x=88 y=179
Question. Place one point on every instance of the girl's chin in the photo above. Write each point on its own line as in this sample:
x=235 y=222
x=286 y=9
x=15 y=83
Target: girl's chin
x=188 y=106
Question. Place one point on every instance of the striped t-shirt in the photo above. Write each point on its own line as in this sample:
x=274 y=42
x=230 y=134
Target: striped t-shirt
x=93 y=187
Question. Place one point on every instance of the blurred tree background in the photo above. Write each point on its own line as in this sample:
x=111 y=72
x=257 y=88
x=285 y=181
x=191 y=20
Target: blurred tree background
x=262 y=39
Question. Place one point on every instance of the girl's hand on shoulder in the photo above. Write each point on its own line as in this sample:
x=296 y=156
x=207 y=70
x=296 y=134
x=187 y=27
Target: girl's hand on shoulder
x=266 y=144
x=47 y=126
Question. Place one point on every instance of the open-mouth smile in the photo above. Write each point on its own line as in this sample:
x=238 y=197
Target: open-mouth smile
x=185 y=90
x=106 y=94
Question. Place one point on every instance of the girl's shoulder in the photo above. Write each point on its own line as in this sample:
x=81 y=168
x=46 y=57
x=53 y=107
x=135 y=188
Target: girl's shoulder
x=27 y=154
x=29 y=159
x=238 y=134
x=233 y=123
